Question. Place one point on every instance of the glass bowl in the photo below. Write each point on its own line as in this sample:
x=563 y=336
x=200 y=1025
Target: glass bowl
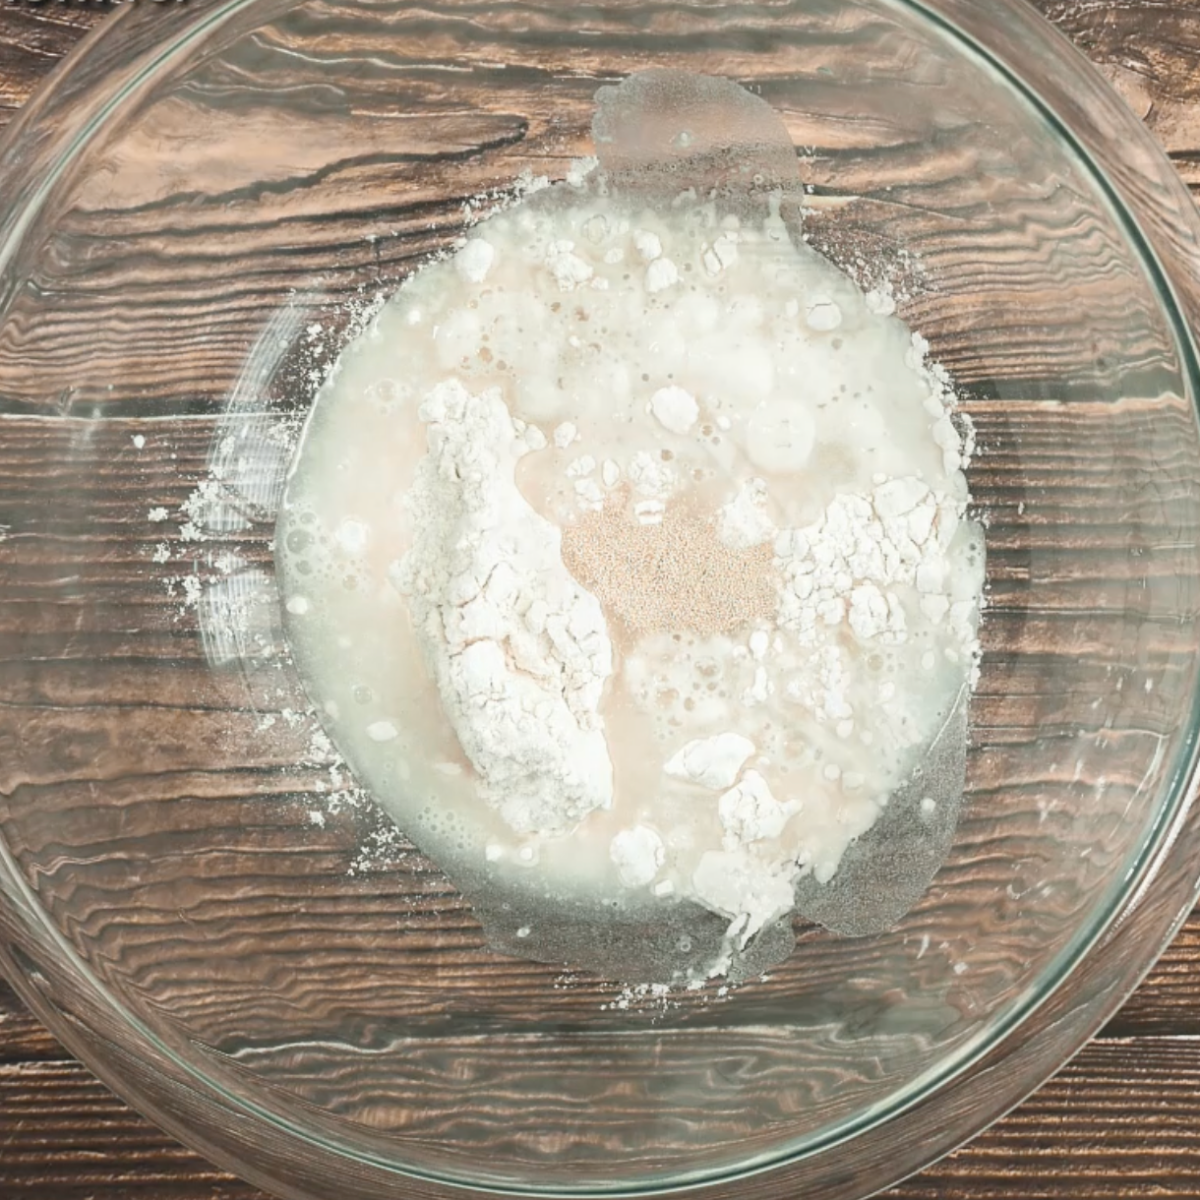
x=196 y=212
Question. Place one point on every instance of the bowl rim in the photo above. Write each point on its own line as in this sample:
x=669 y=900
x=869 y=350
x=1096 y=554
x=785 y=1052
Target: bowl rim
x=944 y=1106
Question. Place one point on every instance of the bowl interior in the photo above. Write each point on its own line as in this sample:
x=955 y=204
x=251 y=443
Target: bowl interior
x=169 y=302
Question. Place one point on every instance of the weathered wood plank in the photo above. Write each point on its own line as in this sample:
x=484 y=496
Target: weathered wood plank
x=33 y=40
x=1151 y=53
x=22 y=1037
x=1122 y=1121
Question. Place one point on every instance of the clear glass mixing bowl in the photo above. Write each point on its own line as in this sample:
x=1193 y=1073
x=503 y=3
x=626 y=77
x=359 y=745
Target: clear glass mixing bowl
x=194 y=211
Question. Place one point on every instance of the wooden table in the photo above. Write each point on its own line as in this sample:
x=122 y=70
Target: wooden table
x=1122 y=1121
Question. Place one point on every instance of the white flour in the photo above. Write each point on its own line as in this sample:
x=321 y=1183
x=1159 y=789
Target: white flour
x=711 y=762
x=518 y=648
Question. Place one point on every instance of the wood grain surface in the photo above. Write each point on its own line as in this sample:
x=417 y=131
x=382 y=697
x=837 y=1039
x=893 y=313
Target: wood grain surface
x=1123 y=1120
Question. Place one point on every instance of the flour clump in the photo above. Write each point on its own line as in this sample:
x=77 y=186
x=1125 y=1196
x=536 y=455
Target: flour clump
x=519 y=650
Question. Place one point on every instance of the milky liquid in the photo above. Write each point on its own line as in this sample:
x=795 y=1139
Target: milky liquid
x=799 y=382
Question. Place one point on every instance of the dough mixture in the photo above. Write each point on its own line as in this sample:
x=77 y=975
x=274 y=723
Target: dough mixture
x=627 y=558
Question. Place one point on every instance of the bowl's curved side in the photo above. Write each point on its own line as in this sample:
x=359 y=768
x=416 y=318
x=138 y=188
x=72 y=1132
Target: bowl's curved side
x=985 y=1080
